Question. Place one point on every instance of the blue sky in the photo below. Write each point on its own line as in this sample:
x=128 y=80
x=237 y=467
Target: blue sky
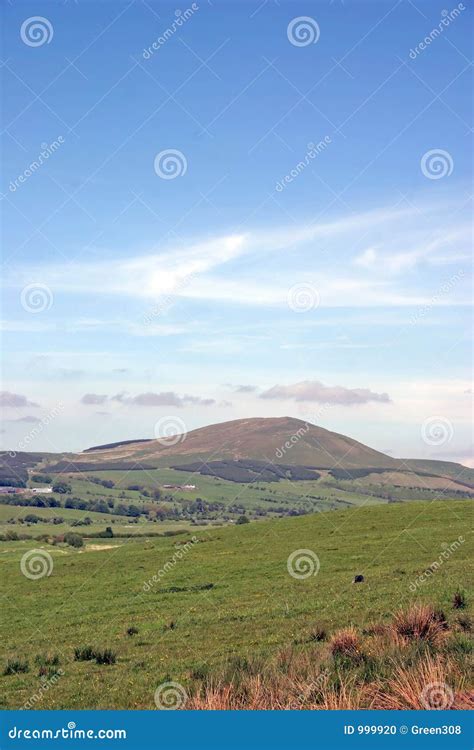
x=313 y=232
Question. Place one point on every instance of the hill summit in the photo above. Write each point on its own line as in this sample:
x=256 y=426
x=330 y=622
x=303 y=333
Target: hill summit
x=278 y=439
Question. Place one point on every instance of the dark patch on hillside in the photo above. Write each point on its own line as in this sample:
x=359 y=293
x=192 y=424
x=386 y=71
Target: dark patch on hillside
x=14 y=468
x=245 y=471
x=116 y=445
x=69 y=467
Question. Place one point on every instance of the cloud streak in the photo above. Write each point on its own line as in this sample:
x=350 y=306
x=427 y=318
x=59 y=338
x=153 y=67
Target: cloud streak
x=313 y=390
x=166 y=398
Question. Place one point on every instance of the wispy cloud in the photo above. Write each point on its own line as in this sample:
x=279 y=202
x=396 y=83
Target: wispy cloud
x=234 y=267
x=166 y=398
x=312 y=390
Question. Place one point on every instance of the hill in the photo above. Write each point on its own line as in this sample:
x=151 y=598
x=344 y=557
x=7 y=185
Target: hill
x=297 y=442
x=270 y=449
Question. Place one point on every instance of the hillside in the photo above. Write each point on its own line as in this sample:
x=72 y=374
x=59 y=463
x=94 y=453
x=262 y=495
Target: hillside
x=269 y=449
x=280 y=439
x=228 y=597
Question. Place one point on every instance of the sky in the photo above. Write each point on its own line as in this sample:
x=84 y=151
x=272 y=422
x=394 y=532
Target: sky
x=236 y=209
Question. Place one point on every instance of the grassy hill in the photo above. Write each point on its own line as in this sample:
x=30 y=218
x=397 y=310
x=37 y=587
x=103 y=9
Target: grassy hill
x=227 y=605
x=266 y=449
x=263 y=439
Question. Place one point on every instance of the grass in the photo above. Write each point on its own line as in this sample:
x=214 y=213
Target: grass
x=254 y=610
x=351 y=672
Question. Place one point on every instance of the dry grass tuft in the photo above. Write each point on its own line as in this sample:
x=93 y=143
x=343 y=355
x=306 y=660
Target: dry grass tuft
x=421 y=622
x=408 y=664
x=430 y=684
x=345 y=642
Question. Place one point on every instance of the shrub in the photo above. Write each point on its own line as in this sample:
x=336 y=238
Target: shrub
x=15 y=666
x=459 y=599
x=105 y=657
x=345 y=642
x=420 y=622
x=242 y=519
x=47 y=660
x=74 y=540
x=132 y=631
x=84 y=653
x=62 y=488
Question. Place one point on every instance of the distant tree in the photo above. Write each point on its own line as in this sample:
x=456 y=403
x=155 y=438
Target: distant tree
x=74 y=540
x=62 y=488
x=242 y=519
x=133 y=511
x=157 y=493
x=41 y=478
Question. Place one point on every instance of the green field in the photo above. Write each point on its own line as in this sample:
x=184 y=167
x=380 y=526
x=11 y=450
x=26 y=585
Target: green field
x=254 y=607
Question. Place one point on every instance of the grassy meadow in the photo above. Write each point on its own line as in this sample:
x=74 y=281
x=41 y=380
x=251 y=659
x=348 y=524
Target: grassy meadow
x=226 y=609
